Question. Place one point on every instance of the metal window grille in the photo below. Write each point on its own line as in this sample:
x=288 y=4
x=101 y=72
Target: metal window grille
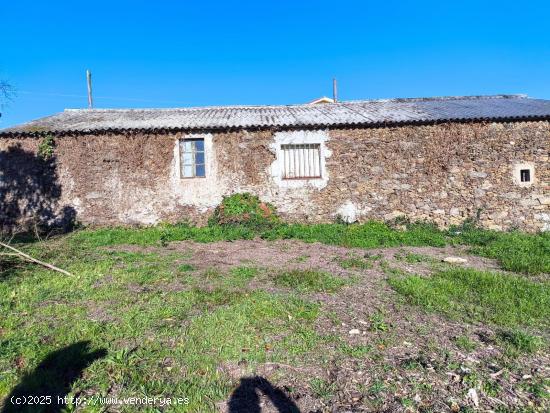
x=192 y=158
x=301 y=161
x=525 y=175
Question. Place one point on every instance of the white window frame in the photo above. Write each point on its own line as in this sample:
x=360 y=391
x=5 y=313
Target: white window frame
x=516 y=173
x=193 y=152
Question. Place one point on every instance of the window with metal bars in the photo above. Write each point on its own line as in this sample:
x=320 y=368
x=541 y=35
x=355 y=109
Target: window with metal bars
x=301 y=161
x=192 y=158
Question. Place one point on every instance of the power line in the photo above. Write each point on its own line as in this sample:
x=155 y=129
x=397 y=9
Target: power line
x=66 y=95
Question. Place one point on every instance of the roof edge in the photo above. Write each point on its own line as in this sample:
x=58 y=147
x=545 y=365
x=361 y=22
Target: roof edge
x=365 y=125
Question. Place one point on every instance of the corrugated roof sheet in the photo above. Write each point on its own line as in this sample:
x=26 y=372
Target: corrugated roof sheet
x=367 y=112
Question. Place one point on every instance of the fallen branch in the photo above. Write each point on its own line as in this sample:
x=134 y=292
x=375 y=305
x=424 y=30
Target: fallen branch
x=27 y=257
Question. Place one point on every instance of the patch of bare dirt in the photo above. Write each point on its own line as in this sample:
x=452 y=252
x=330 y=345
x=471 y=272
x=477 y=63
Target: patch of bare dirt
x=98 y=312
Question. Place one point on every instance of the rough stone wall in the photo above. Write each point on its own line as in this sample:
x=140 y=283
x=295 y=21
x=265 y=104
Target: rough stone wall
x=440 y=173
x=443 y=173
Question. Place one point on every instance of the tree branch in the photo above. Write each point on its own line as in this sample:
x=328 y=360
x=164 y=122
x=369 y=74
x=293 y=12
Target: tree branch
x=27 y=257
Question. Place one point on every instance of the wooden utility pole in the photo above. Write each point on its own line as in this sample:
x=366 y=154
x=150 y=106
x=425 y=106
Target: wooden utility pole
x=89 y=81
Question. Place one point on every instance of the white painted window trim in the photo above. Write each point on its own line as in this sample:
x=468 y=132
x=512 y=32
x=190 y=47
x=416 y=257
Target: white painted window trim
x=516 y=174
x=179 y=153
x=303 y=160
x=299 y=137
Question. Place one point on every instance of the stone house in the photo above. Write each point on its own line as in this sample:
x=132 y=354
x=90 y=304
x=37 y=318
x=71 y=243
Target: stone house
x=437 y=159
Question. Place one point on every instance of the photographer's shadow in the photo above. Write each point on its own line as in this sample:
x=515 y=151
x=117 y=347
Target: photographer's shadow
x=53 y=377
x=245 y=398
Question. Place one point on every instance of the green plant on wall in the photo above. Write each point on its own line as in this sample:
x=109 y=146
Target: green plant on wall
x=244 y=209
x=46 y=146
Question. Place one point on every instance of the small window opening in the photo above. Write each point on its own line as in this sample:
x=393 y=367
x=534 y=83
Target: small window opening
x=302 y=161
x=525 y=175
x=192 y=158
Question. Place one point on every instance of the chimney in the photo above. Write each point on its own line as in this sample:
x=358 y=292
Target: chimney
x=334 y=90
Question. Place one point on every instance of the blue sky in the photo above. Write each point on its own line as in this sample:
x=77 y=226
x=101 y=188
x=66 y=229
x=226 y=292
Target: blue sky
x=177 y=53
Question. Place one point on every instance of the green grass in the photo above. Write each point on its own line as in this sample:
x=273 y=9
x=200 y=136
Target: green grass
x=240 y=276
x=168 y=328
x=540 y=388
x=158 y=341
x=516 y=341
x=371 y=234
x=309 y=281
x=355 y=351
x=515 y=251
x=389 y=270
x=377 y=322
x=355 y=263
x=489 y=297
x=186 y=268
x=322 y=388
x=465 y=343
x=376 y=388
x=373 y=257
x=413 y=258
x=237 y=326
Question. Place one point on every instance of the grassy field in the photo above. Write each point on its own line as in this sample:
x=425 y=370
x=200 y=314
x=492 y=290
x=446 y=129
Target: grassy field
x=516 y=251
x=179 y=311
